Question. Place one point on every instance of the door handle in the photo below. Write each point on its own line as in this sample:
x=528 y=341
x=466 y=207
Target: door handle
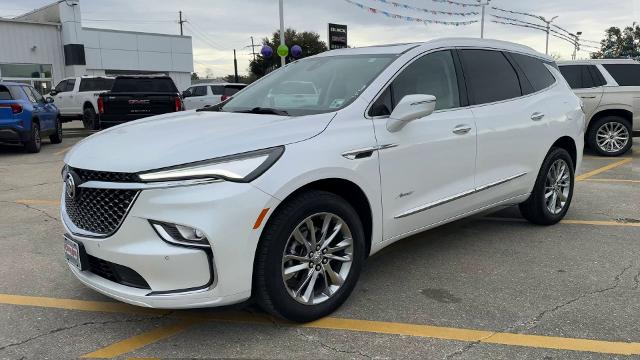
x=536 y=116
x=461 y=129
x=587 y=97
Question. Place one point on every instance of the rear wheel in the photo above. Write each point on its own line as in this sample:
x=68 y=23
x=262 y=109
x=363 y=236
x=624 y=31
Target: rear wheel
x=90 y=118
x=309 y=258
x=56 y=138
x=610 y=136
x=35 y=141
x=553 y=190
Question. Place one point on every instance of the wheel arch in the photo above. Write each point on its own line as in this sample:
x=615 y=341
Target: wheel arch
x=88 y=104
x=617 y=111
x=349 y=191
x=567 y=143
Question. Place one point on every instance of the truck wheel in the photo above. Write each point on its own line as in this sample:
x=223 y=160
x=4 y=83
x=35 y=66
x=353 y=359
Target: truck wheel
x=610 y=136
x=90 y=119
x=35 y=141
x=56 y=138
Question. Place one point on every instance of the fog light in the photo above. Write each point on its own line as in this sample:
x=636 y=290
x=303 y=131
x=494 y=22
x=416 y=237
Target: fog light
x=180 y=234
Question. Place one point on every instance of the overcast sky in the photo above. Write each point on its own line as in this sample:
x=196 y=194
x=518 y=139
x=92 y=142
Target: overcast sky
x=219 y=26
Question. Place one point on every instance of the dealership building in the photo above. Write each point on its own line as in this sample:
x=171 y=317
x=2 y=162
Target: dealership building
x=48 y=44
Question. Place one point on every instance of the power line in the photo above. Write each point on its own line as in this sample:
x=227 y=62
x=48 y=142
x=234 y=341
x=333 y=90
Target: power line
x=202 y=37
x=429 y=11
x=203 y=33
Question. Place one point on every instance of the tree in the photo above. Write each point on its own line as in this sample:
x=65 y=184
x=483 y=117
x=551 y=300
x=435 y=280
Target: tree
x=194 y=76
x=308 y=40
x=620 y=43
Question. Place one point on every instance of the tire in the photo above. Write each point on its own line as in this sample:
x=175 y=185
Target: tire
x=536 y=209
x=610 y=126
x=273 y=292
x=35 y=141
x=56 y=138
x=90 y=119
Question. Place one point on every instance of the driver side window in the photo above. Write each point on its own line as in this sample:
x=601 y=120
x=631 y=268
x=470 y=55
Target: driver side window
x=432 y=74
x=61 y=86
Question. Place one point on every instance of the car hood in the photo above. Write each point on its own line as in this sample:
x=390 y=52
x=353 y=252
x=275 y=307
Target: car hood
x=180 y=138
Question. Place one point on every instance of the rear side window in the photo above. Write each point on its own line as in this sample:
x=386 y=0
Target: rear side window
x=199 y=91
x=164 y=85
x=582 y=76
x=490 y=76
x=4 y=93
x=96 y=84
x=232 y=89
x=535 y=71
x=217 y=90
x=625 y=74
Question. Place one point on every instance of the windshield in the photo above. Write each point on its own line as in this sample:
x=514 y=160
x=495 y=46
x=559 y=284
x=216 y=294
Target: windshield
x=311 y=86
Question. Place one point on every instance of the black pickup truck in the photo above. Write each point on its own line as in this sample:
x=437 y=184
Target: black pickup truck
x=136 y=97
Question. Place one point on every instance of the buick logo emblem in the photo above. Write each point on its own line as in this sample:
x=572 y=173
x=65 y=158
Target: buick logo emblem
x=70 y=186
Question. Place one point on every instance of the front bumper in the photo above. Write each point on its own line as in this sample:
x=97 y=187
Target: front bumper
x=183 y=277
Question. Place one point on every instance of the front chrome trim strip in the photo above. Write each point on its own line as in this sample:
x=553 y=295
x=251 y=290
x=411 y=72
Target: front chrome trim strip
x=146 y=186
x=353 y=154
x=457 y=196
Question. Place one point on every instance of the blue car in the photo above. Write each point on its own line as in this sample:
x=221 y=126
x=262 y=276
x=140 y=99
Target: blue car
x=25 y=117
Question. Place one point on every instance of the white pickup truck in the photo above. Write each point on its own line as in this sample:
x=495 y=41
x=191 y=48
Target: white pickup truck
x=77 y=98
x=610 y=91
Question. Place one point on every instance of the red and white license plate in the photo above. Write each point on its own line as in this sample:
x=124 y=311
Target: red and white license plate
x=72 y=252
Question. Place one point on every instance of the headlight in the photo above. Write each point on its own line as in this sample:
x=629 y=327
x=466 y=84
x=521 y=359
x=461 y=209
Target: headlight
x=243 y=167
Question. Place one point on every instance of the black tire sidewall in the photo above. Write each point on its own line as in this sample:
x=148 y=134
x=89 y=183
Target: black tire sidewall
x=538 y=194
x=593 y=131
x=274 y=240
x=56 y=138
x=89 y=118
x=32 y=145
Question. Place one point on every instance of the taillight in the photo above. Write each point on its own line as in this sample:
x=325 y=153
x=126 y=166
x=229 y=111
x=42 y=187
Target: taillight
x=100 y=105
x=225 y=97
x=15 y=108
x=178 y=104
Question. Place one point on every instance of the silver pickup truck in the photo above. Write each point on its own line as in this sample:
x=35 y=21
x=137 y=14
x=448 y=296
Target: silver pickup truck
x=610 y=90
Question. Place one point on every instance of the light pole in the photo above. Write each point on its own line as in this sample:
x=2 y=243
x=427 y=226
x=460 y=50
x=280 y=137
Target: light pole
x=576 y=44
x=548 y=31
x=483 y=4
x=282 y=58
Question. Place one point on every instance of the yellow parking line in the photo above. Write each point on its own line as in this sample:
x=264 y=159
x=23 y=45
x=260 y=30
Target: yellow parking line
x=603 y=169
x=63 y=150
x=142 y=340
x=600 y=223
x=613 y=180
x=37 y=202
x=188 y=318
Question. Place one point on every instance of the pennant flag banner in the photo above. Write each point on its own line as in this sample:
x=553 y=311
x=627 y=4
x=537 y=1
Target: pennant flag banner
x=429 y=11
x=410 y=18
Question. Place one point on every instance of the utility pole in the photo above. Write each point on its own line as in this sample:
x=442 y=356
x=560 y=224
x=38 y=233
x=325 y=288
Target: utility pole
x=253 y=49
x=548 y=30
x=282 y=59
x=235 y=66
x=180 y=21
x=482 y=19
x=576 y=44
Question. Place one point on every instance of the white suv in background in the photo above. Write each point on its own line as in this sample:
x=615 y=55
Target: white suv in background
x=284 y=204
x=77 y=98
x=610 y=90
x=205 y=95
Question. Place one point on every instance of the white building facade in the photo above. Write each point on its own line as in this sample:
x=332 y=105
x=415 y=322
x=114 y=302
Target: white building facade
x=46 y=45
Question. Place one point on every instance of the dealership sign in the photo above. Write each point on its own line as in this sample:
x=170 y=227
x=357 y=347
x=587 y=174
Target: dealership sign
x=337 y=36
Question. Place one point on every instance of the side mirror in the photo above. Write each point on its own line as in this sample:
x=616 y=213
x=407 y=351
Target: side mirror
x=49 y=100
x=53 y=93
x=186 y=94
x=410 y=108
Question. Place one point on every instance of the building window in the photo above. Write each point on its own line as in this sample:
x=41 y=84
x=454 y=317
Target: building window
x=36 y=75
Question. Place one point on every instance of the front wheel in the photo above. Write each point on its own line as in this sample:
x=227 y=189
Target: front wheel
x=90 y=119
x=33 y=144
x=553 y=190
x=56 y=138
x=309 y=257
x=610 y=136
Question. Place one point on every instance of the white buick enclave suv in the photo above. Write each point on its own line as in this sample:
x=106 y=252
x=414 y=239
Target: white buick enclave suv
x=283 y=204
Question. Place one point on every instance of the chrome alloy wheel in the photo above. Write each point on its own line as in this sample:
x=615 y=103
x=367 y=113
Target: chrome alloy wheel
x=612 y=137
x=557 y=186
x=317 y=258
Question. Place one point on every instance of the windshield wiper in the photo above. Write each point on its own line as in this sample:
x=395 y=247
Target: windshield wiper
x=264 y=110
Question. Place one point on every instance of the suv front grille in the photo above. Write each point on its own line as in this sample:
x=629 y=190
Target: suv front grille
x=94 y=175
x=99 y=211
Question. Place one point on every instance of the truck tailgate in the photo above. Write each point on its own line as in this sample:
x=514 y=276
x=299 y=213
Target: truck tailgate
x=139 y=104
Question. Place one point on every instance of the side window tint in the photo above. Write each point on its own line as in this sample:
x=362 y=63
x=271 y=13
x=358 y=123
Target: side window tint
x=625 y=74
x=199 y=91
x=29 y=94
x=433 y=74
x=217 y=90
x=39 y=98
x=70 y=85
x=231 y=90
x=596 y=75
x=535 y=71
x=61 y=86
x=382 y=106
x=490 y=76
x=578 y=76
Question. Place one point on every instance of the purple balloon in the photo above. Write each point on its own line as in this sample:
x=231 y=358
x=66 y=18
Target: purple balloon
x=296 y=51
x=266 y=51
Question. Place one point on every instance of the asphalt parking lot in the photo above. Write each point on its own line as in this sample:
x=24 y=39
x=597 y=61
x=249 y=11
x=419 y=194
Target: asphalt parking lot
x=493 y=286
